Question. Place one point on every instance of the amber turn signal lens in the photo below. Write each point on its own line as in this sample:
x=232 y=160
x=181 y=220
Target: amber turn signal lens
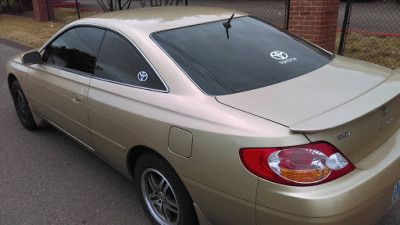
x=305 y=176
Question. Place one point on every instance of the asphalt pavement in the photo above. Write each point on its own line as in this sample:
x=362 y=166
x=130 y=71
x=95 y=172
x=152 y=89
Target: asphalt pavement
x=47 y=178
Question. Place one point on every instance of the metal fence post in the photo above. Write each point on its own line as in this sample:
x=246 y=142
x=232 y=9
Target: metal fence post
x=287 y=14
x=47 y=9
x=346 y=22
x=77 y=8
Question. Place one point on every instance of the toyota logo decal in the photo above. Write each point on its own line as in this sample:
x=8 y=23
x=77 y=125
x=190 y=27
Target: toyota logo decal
x=142 y=76
x=279 y=55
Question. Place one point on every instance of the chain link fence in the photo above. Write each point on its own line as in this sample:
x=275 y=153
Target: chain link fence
x=373 y=31
x=273 y=11
x=114 y=5
x=15 y=6
x=4 y=5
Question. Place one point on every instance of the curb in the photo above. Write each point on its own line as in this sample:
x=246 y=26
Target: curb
x=15 y=44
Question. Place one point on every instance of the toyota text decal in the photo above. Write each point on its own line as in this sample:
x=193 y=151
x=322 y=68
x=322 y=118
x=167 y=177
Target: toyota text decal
x=283 y=57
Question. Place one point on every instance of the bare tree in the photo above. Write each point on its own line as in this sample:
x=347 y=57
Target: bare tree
x=114 y=5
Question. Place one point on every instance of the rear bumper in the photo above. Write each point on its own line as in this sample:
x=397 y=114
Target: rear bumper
x=361 y=197
x=368 y=213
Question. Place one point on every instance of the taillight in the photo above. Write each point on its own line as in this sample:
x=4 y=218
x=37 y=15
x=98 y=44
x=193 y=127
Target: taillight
x=302 y=165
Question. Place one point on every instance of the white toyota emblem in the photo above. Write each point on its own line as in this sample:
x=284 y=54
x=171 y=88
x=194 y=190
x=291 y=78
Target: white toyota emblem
x=142 y=76
x=279 y=55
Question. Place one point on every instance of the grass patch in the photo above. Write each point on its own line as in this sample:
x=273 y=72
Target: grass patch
x=380 y=49
x=25 y=30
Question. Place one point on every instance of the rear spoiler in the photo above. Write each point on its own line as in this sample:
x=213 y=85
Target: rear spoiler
x=369 y=102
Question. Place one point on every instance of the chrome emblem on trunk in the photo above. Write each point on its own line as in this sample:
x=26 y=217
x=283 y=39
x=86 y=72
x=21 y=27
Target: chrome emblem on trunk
x=384 y=110
x=386 y=123
x=346 y=134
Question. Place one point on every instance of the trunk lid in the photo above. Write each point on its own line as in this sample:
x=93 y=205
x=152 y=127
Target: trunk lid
x=360 y=126
x=347 y=103
x=295 y=100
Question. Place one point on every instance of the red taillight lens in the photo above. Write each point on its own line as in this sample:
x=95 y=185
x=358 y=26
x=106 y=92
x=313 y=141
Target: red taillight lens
x=302 y=165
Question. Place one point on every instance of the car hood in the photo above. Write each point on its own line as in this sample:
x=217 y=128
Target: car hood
x=293 y=102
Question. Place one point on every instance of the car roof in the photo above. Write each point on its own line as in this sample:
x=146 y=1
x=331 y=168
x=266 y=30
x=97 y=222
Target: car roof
x=145 y=21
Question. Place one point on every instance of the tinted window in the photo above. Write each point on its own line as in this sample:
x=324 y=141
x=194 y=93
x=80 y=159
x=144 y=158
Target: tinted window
x=255 y=55
x=120 y=61
x=75 y=49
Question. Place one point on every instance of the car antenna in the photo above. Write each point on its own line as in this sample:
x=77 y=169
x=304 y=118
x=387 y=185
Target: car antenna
x=228 y=25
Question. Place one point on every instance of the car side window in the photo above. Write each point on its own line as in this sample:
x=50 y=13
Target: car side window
x=121 y=62
x=75 y=49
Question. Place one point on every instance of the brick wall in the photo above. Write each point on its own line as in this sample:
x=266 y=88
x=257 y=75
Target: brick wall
x=315 y=20
x=40 y=10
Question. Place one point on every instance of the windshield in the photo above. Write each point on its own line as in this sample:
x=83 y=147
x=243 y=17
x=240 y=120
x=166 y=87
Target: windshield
x=253 y=55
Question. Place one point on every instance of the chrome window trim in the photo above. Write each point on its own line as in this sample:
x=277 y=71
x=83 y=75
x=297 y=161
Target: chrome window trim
x=130 y=85
x=78 y=72
x=107 y=28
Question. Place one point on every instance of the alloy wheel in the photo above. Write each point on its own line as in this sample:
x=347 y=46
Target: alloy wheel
x=159 y=197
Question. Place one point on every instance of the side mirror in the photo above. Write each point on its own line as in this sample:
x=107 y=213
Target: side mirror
x=31 y=58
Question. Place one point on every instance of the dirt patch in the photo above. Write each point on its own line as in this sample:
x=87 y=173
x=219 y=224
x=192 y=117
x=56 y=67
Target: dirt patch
x=25 y=30
x=375 y=48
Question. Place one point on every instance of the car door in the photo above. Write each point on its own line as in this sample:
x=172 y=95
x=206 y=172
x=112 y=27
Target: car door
x=58 y=87
x=121 y=98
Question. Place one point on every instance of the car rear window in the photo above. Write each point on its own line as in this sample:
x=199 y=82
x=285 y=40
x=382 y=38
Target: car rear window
x=255 y=55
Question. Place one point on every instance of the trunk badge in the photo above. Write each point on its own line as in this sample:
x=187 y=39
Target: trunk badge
x=384 y=110
x=386 y=123
x=344 y=135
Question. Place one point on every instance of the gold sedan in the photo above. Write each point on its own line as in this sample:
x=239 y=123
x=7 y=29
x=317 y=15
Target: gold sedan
x=220 y=118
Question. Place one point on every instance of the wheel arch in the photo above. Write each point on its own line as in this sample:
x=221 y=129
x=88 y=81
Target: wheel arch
x=134 y=154
x=40 y=122
x=10 y=79
x=132 y=158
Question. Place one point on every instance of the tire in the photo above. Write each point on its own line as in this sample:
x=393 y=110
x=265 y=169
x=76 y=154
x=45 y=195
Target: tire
x=22 y=106
x=161 y=192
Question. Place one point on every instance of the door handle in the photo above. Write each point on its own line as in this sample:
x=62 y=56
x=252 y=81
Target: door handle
x=78 y=100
